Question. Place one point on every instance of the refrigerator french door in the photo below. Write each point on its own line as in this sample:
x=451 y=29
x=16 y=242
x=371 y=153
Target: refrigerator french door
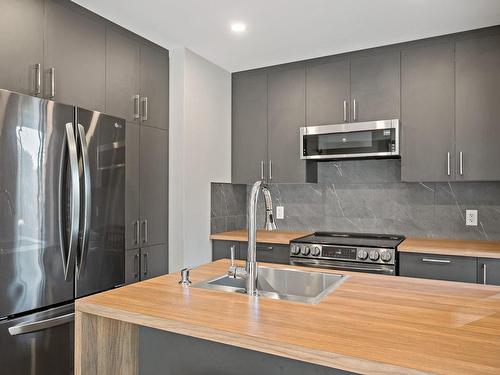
x=61 y=225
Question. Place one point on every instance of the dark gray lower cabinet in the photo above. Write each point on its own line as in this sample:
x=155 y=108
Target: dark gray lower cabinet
x=440 y=267
x=488 y=271
x=268 y=253
x=145 y=263
x=132 y=266
x=222 y=249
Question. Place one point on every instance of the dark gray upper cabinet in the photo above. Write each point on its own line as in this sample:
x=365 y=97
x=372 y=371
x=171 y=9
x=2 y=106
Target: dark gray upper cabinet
x=375 y=86
x=154 y=86
x=427 y=87
x=327 y=91
x=477 y=108
x=132 y=187
x=75 y=48
x=488 y=271
x=122 y=74
x=249 y=127
x=153 y=188
x=21 y=44
x=286 y=114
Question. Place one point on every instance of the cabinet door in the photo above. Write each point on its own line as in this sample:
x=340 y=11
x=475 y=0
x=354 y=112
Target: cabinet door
x=477 y=108
x=249 y=127
x=327 y=89
x=122 y=75
x=21 y=44
x=285 y=118
x=132 y=178
x=222 y=250
x=488 y=271
x=153 y=261
x=440 y=267
x=154 y=86
x=132 y=266
x=153 y=188
x=375 y=86
x=428 y=113
x=268 y=253
x=75 y=47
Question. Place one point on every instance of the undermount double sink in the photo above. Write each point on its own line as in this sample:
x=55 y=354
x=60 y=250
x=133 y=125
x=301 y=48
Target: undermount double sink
x=282 y=284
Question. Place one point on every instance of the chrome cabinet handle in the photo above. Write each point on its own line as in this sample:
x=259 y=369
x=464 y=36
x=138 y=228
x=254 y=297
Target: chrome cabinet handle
x=136 y=265
x=448 y=164
x=484 y=274
x=52 y=92
x=354 y=114
x=461 y=162
x=136 y=107
x=144 y=109
x=270 y=169
x=41 y=324
x=262 y=177
x=441 y=261
x=38 y=79
x=345 y=110
x=145 y=263
x=265 y=248
x=137 y=231
x=69 y=259
x=87 y=203
x=145 y=224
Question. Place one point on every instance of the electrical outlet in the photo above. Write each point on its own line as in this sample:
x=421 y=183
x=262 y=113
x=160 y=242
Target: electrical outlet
x=280 y=212
x=471 y=217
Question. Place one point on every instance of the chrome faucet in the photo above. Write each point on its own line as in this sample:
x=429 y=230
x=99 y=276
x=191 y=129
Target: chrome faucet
x=249 y=273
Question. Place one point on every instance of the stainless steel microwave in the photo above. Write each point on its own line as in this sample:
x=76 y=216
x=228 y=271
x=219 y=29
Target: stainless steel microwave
x=350 y=140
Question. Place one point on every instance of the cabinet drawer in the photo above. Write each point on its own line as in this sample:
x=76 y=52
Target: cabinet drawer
x=270 y=253
x=440 y=267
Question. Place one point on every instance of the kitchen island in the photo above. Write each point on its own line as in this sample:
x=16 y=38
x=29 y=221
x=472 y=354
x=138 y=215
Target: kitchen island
x=369 y=324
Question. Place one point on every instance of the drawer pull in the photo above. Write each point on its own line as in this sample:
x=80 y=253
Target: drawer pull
x=441 y=261
x=265 y=248
x=484 y=274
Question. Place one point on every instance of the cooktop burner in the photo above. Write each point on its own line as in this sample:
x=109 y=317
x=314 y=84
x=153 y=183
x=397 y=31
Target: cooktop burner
x=353 y=239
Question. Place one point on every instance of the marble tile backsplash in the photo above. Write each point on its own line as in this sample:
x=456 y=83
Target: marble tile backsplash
x=368 y=196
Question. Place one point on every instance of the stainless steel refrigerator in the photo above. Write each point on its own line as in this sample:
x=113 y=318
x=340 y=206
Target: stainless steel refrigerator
x=62 y=225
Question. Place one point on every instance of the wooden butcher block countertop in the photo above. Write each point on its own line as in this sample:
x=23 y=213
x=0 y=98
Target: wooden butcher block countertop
x=370 y=324
x=263 y=236
x=481 y=249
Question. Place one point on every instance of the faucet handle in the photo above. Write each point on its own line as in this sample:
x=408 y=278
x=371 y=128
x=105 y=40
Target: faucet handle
x=233 y=250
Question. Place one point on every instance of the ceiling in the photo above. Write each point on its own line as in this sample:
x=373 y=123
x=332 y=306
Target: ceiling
x=281 y=31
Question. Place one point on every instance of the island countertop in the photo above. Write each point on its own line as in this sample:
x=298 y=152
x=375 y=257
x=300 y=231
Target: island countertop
x=369 y=324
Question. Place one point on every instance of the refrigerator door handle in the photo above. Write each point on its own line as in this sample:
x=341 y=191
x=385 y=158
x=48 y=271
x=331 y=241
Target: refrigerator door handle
x=69 y=257
x=21 y=329
x=87 y=202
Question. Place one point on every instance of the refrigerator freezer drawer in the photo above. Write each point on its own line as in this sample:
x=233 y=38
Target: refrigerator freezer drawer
x=40 y=343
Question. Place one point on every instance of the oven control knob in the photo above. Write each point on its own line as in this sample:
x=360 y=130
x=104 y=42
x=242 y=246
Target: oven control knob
x=374 y=255
x=305 y=250
x=362 y=254
x=386 y=256
x=295 y=249
x=315 y=250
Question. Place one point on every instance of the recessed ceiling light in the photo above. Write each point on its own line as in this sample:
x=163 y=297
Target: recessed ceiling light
x=238 y=27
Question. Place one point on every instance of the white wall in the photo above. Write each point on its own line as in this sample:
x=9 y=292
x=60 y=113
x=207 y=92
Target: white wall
x=200 y=152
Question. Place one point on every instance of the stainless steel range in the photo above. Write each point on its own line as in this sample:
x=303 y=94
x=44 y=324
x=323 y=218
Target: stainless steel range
x=374 y=253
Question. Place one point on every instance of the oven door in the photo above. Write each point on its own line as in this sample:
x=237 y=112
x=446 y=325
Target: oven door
x=354 y=140
x=382 y=269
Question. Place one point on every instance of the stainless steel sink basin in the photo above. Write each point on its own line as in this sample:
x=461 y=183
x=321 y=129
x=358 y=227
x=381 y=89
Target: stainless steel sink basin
x=281 y=283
